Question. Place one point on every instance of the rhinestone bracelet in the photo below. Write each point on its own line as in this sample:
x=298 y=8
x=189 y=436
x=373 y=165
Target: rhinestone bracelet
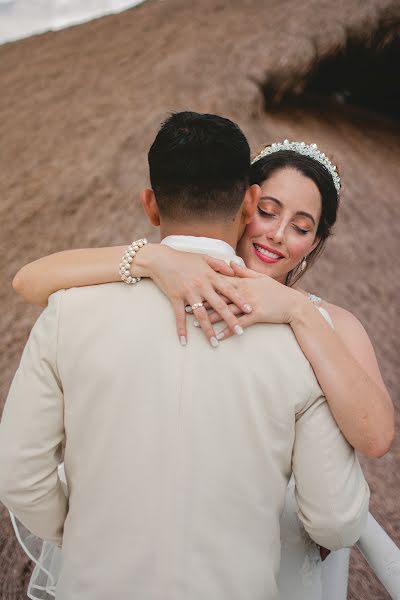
x=125 y=264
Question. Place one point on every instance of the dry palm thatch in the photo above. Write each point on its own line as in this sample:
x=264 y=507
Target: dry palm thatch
x=79 y=108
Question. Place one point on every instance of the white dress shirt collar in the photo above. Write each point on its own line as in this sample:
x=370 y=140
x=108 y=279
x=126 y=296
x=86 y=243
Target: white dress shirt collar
x=203 y=245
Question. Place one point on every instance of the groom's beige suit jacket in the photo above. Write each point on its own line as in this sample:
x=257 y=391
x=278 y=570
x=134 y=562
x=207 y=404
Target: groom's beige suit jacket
x=177 y=458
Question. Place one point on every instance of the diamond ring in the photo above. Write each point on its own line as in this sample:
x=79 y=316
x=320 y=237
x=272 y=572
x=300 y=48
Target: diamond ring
x=197 y=305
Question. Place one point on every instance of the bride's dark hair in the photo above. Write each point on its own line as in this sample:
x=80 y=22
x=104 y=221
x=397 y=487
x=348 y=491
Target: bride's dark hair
x=263 y=168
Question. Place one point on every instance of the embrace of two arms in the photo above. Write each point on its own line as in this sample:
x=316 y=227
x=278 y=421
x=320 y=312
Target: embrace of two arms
x=342 y=358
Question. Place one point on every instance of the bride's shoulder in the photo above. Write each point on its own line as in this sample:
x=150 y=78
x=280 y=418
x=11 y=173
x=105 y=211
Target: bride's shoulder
x=343 y=319
x=341 y=315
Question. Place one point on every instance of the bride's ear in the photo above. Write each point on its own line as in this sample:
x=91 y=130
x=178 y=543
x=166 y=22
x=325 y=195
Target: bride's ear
x=251 y=199
x=149 y=204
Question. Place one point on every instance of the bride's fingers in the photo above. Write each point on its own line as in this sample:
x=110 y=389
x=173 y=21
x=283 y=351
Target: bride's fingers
x=208 y=306
x=180 y=316
x=229 y=292
x=201 y=315
x=244 y=322
x=241 y=271
x=216 y=318
x=220 y=266
x=220 y=307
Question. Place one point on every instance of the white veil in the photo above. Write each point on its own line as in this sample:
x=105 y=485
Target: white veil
x=45 y=555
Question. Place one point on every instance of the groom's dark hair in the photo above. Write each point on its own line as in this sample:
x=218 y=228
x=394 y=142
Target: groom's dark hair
x=199 y=166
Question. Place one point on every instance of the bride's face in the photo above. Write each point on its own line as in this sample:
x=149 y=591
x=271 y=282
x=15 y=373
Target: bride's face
x=284 y=228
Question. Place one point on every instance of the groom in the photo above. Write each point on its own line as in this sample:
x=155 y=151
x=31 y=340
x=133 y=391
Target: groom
x=177 y=457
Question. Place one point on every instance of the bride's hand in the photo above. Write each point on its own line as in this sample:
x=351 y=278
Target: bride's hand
x=188 y=278
x=272 y=302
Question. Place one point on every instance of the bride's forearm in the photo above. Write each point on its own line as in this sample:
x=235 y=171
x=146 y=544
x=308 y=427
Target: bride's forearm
x=37 y=280
x=361 y=407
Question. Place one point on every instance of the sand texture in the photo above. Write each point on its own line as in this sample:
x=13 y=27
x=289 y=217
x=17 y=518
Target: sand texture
x=79 y=108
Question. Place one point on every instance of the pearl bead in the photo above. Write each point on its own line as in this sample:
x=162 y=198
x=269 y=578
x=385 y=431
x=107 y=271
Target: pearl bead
x=127 y=259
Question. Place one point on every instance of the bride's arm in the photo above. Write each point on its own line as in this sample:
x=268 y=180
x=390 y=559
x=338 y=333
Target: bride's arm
x=185 y=278
x=346 y=367
x=343 y=359
x=36 y=281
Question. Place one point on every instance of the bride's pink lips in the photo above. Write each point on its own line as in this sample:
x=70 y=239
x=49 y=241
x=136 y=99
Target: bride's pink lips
x=266 y=259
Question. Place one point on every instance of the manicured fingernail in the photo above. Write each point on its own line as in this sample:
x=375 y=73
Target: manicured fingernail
x=221 y=335
x=214 y=342
x=196 y=323
x=183 y=340
x=188 y=309
x=247 y=308
x=238 y=330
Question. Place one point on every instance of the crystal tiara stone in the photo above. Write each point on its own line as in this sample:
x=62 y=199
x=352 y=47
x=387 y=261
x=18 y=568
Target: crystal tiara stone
x=310 y=150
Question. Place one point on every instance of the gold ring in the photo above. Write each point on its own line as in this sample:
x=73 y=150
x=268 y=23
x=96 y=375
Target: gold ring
x=197 y=305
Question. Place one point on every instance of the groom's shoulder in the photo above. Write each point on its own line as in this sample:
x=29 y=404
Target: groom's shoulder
x=277 y=338
x=103 y=295
x=85 y=294
x=273 y=347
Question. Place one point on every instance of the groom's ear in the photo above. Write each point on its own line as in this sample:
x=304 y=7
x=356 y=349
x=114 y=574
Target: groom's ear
x=249 y=206
x=149 y=203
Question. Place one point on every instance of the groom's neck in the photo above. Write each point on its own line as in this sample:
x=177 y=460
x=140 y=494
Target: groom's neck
x=227 y=232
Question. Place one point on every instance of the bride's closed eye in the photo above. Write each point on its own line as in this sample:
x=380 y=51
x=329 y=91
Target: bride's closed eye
x=300 y=230
x=266 y=214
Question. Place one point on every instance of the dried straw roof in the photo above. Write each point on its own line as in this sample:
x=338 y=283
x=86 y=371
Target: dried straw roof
x=79 y=108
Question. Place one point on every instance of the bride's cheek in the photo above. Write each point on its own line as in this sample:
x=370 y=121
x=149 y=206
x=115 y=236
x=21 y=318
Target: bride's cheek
x=245 y=244
x=253 y=229
x=298 y=249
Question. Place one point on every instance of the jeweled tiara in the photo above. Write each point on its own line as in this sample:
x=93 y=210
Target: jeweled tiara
x=310 y=150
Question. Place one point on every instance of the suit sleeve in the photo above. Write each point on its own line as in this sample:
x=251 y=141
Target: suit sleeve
x=332 y=494
x=32 y=432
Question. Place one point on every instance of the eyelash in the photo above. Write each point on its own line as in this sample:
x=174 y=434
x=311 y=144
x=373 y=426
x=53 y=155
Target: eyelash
x=263 y=213
x=301 y=231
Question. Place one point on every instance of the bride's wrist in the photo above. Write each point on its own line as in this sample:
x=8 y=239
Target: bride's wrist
x=302 y=313
x=142 y=264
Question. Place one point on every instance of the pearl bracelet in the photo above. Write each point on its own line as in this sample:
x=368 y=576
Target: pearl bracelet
x=125 y=264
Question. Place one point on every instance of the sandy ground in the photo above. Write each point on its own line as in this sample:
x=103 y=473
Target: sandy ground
x=78 y=110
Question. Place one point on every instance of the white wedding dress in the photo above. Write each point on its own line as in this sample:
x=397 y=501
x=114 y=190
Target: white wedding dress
x=302 y=576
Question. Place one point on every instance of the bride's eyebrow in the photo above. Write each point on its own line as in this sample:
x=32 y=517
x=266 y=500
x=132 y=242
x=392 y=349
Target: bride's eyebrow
x=306 y=214
x=279 y=203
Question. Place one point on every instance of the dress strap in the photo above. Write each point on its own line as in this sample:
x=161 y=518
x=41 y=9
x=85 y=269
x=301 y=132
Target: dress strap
x=317 y=300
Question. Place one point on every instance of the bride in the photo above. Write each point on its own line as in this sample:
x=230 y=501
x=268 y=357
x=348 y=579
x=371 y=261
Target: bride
x=295 y=216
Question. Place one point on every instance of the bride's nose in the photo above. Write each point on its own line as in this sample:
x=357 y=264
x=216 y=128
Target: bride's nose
x=277 y=231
